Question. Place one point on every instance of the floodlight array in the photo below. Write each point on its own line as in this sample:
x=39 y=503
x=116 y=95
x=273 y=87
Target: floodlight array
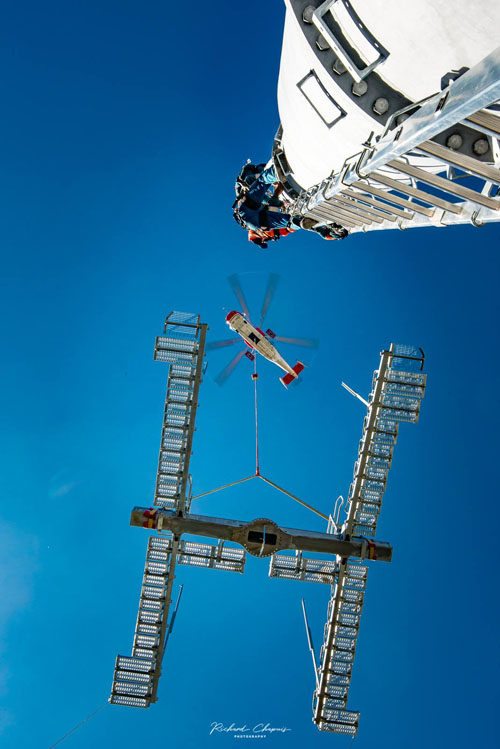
x=184 y=318
x=135 y=680
x=302 y=568
x=217 y=557
x=397 y=390
x=338 y=649
x=177 y=426
x=181 y=349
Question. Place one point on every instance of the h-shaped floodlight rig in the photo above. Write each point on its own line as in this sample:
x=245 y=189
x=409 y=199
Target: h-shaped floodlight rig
x=397 y=389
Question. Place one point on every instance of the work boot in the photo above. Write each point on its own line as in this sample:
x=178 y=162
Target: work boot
x=308 y=223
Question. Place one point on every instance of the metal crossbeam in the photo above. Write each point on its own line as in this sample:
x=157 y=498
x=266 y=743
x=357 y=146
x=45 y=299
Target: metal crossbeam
x=444 y=184
x=460 y=160
x=367 y=210
x=383 y=207
x=415 y=192
x=485 y=122
x=326 y=212
x=272 y=537
x=411 y=206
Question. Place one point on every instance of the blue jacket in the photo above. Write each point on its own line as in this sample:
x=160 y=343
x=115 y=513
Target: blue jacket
x=255 y=212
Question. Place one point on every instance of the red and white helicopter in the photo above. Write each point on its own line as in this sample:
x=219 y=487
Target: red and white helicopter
x=256 y=339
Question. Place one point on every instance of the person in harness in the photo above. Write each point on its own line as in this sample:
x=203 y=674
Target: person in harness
x=256 y=208
x=263 y=214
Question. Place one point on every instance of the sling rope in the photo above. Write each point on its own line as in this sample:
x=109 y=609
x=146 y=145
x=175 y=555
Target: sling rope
x=255 y=378
x=292 y=496
x=226 y=486
x=78 y=726
x=257 y=474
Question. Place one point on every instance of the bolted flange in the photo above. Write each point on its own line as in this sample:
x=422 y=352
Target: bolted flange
x=321 y=43
x=359 y=88
x=380 y=105
x=480 y=146
x=260 y=537
x=338 y=67
x=454 y=141
x=307 y=13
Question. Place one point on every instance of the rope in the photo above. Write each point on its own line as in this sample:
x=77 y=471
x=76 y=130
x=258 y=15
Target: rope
x=292 y=496
x=255 y=378
x=226 y=486
x=78 y=726
x=257 y=473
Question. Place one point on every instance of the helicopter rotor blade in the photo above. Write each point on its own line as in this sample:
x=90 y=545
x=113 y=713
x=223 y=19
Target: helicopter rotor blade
x=222 y=376
x=235 y=284
x=271 y=288
x=221 y=344
x=306 y=342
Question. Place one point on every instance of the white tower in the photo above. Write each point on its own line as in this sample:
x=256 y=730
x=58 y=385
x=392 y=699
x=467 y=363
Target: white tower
x=389 y=113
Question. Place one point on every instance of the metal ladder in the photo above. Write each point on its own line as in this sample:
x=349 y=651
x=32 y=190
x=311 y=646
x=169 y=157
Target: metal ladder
x=407 y=178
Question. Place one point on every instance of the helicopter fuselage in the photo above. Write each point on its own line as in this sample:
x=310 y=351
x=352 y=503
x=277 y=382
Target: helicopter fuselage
x=257 y=340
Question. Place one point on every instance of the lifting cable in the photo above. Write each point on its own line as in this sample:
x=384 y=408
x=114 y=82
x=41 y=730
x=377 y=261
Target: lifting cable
x=255 y=377
x=257 y=474
x=78 y=725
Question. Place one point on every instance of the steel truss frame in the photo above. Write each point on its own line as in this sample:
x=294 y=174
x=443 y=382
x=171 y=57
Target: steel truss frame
x=182 y=345
x=397 y=390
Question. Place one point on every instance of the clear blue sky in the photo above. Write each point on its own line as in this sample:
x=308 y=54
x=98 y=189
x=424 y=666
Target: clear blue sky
x=123 y=127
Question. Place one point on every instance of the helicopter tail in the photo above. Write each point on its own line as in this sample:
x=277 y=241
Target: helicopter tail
x=288 y=378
